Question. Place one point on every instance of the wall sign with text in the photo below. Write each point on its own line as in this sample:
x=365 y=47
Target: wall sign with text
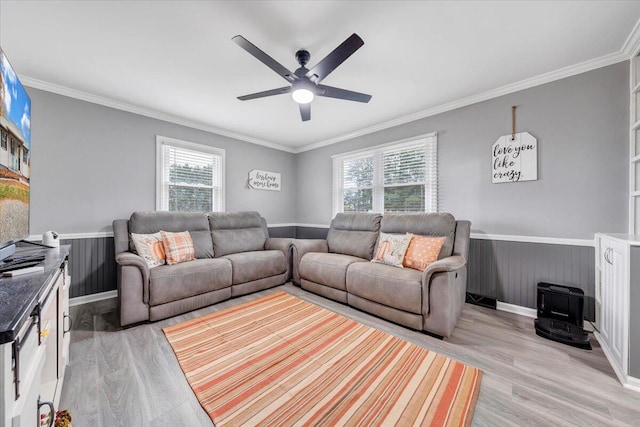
x=263 y=180
x=515 y=160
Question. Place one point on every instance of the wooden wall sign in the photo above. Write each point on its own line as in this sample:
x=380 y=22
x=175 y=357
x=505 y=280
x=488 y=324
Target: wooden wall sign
x=515 y=158
x=263 y=180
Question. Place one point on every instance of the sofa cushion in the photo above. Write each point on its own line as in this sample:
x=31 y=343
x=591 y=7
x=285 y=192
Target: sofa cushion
x=195 y=223
x=387 y=285
x=428 y=224
x=354 y=234
x=250 y=266
x=202 y=244
x=234 y=232
x=173 y=282
x=327 y=269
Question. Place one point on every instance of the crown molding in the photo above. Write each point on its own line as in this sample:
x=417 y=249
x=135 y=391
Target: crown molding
x=131 y=108
x=631 y=45
x=559 y=74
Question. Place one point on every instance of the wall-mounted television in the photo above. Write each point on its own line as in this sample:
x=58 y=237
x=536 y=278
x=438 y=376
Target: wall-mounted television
x=15 y=158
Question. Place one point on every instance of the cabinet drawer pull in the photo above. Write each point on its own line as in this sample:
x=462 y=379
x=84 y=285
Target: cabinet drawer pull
x=52 y=411
x=66 y=330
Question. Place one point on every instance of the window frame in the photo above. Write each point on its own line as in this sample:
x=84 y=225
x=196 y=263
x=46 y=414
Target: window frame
x=162 y=189
x=430 y=143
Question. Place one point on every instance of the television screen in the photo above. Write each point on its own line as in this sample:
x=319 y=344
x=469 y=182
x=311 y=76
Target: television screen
x=15 y=155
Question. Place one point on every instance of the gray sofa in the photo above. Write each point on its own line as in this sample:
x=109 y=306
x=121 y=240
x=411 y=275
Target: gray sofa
x=234 y=256
x=339 y=268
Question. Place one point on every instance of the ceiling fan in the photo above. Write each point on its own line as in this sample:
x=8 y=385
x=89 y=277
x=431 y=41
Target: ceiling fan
x=305 y=83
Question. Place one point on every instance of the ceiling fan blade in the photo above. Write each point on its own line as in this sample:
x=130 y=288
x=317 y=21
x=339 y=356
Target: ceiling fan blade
x=271 y=92
x=335 y=58
x=336 y=92
x=264 y=58
x=305 y=111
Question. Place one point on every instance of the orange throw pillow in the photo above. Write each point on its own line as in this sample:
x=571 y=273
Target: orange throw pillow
x=422 y=251
x=178 y=247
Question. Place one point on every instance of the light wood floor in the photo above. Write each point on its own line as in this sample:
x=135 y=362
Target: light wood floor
x=131 y=377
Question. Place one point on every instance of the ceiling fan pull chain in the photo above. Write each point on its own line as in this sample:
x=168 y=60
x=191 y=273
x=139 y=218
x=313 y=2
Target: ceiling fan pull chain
x=513 y=123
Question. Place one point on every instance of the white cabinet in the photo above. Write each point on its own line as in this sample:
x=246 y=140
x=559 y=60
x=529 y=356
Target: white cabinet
x=613 y=302
x=33 y=360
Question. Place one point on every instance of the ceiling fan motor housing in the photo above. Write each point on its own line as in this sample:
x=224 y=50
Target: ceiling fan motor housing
x=303 y=56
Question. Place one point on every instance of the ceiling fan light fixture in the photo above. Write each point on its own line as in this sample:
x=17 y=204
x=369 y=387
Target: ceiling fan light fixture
x=303 y=91
x=302 y=96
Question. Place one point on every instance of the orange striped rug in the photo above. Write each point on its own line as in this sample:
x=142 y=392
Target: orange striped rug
x=279 y=360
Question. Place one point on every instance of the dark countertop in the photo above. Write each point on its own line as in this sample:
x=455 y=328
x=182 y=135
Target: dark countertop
x=19 y=295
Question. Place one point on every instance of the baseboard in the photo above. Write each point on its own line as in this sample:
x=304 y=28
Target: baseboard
x=517 y=309
x=86 y=299
x=532 y=313
x=621 y=376
x=633 y=384
x=588 y=327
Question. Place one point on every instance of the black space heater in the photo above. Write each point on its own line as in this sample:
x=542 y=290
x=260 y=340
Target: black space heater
x=560 y=315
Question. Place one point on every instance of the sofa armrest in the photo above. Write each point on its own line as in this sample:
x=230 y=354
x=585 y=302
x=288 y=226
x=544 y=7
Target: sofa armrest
x=299 y=247
x=444 y=265
x=128 y=259
x=449 y=263
x=283 y=244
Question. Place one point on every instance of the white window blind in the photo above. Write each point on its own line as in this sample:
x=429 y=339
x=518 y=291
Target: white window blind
x=397 y=177
x=190 y=177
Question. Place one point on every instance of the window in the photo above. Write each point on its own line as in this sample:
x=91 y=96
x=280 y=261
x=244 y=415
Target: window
x=189 y=177
x=397 y=177
x=3 y=139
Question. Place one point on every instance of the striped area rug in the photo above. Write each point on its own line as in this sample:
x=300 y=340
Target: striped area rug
x=279 y=360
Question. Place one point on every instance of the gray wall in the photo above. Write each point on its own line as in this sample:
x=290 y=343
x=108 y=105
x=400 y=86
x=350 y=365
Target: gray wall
x=581 y=124
x=511 y=271
x=92 y=266
x=92 y=164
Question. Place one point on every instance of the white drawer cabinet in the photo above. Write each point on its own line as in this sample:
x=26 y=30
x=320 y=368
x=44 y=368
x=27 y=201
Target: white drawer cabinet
x=35 y=346
x=615 y=280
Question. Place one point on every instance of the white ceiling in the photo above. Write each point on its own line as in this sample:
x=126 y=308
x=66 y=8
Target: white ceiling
x=176 y=60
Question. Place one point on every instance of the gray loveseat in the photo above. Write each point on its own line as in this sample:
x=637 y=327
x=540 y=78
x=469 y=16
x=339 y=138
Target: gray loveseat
x=234 y=256
x=339 y=268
